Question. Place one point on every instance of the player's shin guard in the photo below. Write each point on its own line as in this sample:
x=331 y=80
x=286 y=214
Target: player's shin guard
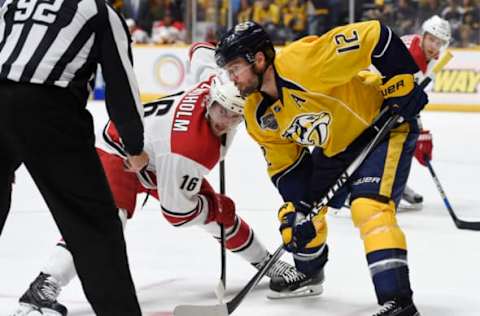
x=240 y=239
x=389 y=272
x=385 y=247
x=60 y=265
x=311 y=260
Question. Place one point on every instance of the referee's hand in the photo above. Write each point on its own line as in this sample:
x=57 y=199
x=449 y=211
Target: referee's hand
x=136 y=163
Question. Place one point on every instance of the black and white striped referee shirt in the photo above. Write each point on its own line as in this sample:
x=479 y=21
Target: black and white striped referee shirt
x=60 y=42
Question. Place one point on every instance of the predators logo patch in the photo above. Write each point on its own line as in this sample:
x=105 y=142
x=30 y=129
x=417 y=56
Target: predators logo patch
x=309 y=129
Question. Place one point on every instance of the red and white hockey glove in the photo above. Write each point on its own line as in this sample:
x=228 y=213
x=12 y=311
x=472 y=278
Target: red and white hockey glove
x=221 y=208
x=424 y=147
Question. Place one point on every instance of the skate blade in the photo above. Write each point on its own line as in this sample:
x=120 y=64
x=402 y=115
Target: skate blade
x=306 y=291
x=404 y=207
x=203 y=310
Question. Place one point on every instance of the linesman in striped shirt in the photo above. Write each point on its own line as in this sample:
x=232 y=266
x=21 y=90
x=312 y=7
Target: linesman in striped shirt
x=49 y=52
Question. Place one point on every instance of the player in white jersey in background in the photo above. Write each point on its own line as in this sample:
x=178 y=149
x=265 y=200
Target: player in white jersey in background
x=183 y=141
x=425 y=49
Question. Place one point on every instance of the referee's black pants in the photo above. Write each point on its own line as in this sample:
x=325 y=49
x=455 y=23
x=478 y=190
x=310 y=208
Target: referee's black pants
x=51 y=132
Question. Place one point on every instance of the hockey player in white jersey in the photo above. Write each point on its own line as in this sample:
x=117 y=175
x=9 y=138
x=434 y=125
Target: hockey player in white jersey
x=425 y=49
x=183 y=141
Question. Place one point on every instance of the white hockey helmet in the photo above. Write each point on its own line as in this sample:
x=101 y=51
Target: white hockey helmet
x=438 y=27
x=226 y=94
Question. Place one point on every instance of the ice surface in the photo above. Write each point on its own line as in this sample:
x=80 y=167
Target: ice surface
x=174 y=266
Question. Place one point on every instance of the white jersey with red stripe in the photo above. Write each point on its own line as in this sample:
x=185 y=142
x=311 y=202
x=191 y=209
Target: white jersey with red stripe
x=182 y=150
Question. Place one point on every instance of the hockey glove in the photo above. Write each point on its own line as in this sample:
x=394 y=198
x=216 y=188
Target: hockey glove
x=403 y=96
x=297 y=231
x=424 y=147
x=221 y=208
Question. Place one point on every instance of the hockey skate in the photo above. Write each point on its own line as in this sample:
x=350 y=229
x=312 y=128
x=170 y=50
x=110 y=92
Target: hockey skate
x=411 y=201
x=398 y=308
x=296 y=284
x=41 y=298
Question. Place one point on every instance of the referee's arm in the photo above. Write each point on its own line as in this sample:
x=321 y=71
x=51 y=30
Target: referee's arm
x=122 y=94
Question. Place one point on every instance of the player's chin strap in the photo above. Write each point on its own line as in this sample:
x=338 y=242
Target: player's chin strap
x=229 y=307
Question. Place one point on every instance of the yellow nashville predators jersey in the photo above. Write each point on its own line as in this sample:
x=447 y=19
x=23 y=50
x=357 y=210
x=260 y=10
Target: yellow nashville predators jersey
x=324 y=98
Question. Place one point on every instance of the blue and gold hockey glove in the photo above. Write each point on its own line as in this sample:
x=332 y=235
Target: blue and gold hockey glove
x=403 y=96
x=297 y=231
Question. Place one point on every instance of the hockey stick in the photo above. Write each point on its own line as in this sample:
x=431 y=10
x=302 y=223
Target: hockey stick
x=220 y=290
x=461 y=224
x=229 y=307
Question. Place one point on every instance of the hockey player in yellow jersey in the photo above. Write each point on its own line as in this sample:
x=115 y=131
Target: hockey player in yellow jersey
x=312 y=108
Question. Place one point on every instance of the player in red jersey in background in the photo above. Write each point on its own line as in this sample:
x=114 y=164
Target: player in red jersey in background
x=425 y=49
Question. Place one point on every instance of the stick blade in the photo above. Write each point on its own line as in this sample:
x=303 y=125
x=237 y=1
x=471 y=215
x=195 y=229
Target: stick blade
x=203 y=310
x=467 y=225
x=220 y=292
